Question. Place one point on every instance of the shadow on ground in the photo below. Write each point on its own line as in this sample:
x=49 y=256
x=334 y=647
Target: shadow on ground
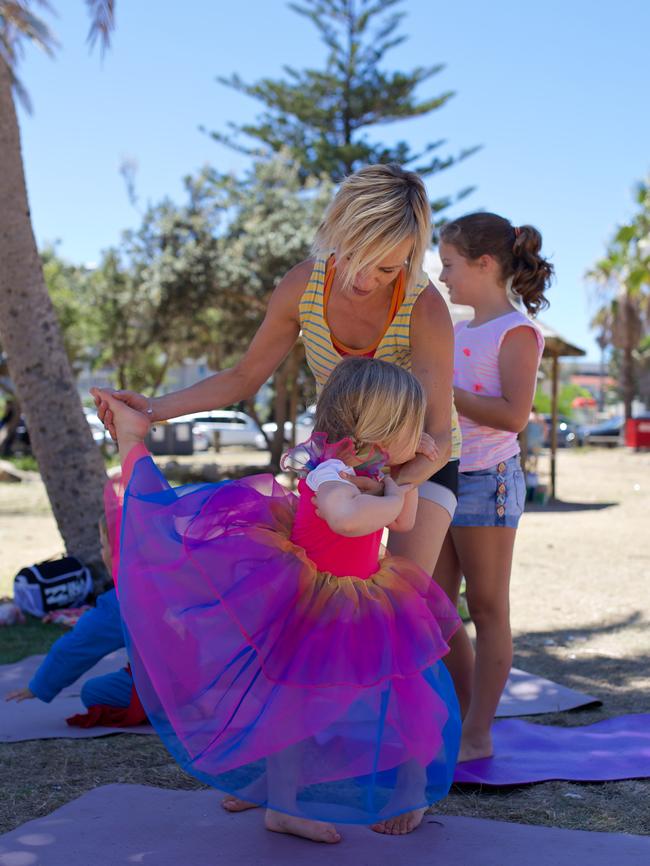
x=560 y=505
x=567 y=657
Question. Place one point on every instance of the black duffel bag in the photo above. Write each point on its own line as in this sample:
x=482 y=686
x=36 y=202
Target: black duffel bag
x=52 y=585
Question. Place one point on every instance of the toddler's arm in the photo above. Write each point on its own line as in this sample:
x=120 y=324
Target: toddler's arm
x=351 y=513
x=131 y=426
x=405 y=520
x=98 y=632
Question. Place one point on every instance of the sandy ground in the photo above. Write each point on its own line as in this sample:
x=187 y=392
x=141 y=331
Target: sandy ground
x=580 y=613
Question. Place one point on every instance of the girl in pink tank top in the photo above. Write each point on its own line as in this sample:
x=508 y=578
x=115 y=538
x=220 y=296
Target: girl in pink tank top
x=497 y=269
x=283 y=658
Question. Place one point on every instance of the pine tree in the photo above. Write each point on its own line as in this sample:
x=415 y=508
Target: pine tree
x=322 y=116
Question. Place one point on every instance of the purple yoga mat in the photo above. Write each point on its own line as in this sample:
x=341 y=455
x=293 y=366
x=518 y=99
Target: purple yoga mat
x=616 y=748
x=529 y=695
x=35 y=720
x=131 y=824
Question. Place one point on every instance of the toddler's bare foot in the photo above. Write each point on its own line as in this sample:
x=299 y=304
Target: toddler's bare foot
x=474 y=747
x=407 y=822
x=317 y=831
x=234 y=804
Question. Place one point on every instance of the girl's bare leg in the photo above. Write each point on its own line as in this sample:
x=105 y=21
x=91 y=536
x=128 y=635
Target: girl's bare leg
x=409 y=776
x=421 y=545
x=460 y=659
x=279 y=767
x=485 y=555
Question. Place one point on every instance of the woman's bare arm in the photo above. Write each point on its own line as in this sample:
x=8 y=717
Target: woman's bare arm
x=432 y=362
x=269 y=347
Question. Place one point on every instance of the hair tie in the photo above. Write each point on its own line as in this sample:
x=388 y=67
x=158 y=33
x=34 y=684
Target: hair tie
x=517 y=231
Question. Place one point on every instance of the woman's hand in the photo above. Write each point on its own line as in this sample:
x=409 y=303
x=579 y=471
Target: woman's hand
x=132 y=399
x=129 y=424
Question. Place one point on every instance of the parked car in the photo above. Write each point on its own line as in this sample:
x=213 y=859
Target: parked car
x=304 y=426
x=569 y=433
x=100 y=434
x=202 y=438
x=608 y=433
x=234 y=428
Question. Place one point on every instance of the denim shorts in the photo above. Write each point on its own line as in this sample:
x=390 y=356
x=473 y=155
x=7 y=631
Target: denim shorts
x=491 y=497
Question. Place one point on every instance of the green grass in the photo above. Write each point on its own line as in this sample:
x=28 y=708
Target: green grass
x=27 y=462
x=24 y=462
x=18 y=641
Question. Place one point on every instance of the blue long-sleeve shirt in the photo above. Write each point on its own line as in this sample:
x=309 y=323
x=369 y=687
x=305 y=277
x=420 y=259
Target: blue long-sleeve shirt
x=98 y=632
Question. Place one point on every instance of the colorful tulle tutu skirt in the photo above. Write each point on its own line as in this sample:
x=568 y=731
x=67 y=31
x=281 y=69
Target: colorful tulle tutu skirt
x=315 y=695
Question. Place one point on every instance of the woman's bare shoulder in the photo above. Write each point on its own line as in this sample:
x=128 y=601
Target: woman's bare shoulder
x=285 y=299
x=431 y=308
x=297 y=278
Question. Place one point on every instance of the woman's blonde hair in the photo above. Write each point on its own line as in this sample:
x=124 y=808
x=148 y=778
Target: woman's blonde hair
x=370 y=401
x=375 y=210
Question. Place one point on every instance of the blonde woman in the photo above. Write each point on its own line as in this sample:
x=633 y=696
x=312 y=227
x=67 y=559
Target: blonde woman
x=362 y=294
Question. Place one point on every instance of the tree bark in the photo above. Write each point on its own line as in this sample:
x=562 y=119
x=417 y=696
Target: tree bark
x=280 y=411
x=70 y=463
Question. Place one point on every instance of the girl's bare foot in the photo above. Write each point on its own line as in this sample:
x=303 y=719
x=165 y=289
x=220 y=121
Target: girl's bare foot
x=407 y=822
x=234 y=804
x=317 y=831
x=474 y=747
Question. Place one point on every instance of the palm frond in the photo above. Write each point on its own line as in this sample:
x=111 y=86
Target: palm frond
x=18 y=24
x=102 y=22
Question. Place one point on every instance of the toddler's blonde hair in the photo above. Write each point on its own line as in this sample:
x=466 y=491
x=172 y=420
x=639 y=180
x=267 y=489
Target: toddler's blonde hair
x=374 y=210
x=371 y=401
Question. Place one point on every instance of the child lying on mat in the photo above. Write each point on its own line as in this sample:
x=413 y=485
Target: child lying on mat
x=110 y=699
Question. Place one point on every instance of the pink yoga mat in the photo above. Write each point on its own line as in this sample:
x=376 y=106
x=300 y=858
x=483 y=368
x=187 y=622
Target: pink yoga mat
x=616 y=748
x=35 y=720
x=525 y=694
x=132 y=824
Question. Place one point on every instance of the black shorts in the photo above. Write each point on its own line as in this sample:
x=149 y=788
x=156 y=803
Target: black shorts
x=442 y=487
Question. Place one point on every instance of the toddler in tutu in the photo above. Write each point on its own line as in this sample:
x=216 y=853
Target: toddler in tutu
x=280 y=658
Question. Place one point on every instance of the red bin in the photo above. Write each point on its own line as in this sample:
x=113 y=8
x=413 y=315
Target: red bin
x=637 y=432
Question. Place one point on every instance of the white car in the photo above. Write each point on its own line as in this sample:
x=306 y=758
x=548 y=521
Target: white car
x=100 y=434
x=304 y=426
x=234 y=428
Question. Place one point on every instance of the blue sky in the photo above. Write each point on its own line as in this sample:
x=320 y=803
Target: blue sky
x=555 y=92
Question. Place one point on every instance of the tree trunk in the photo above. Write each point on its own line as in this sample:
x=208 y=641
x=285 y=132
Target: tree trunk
x=70 y=463
x=280 y=411
x=628 y=358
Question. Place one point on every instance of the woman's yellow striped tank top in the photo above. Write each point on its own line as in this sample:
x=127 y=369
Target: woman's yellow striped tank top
x=394 y=346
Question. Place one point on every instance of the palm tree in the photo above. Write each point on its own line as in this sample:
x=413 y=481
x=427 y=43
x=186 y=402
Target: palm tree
x=70 y=463
x=620 y=325
x=623 y=280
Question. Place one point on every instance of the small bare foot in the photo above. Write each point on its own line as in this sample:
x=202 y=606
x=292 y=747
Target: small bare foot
x=234 y=804
x=407 y=822
x=475 y=748
x=317 y=831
